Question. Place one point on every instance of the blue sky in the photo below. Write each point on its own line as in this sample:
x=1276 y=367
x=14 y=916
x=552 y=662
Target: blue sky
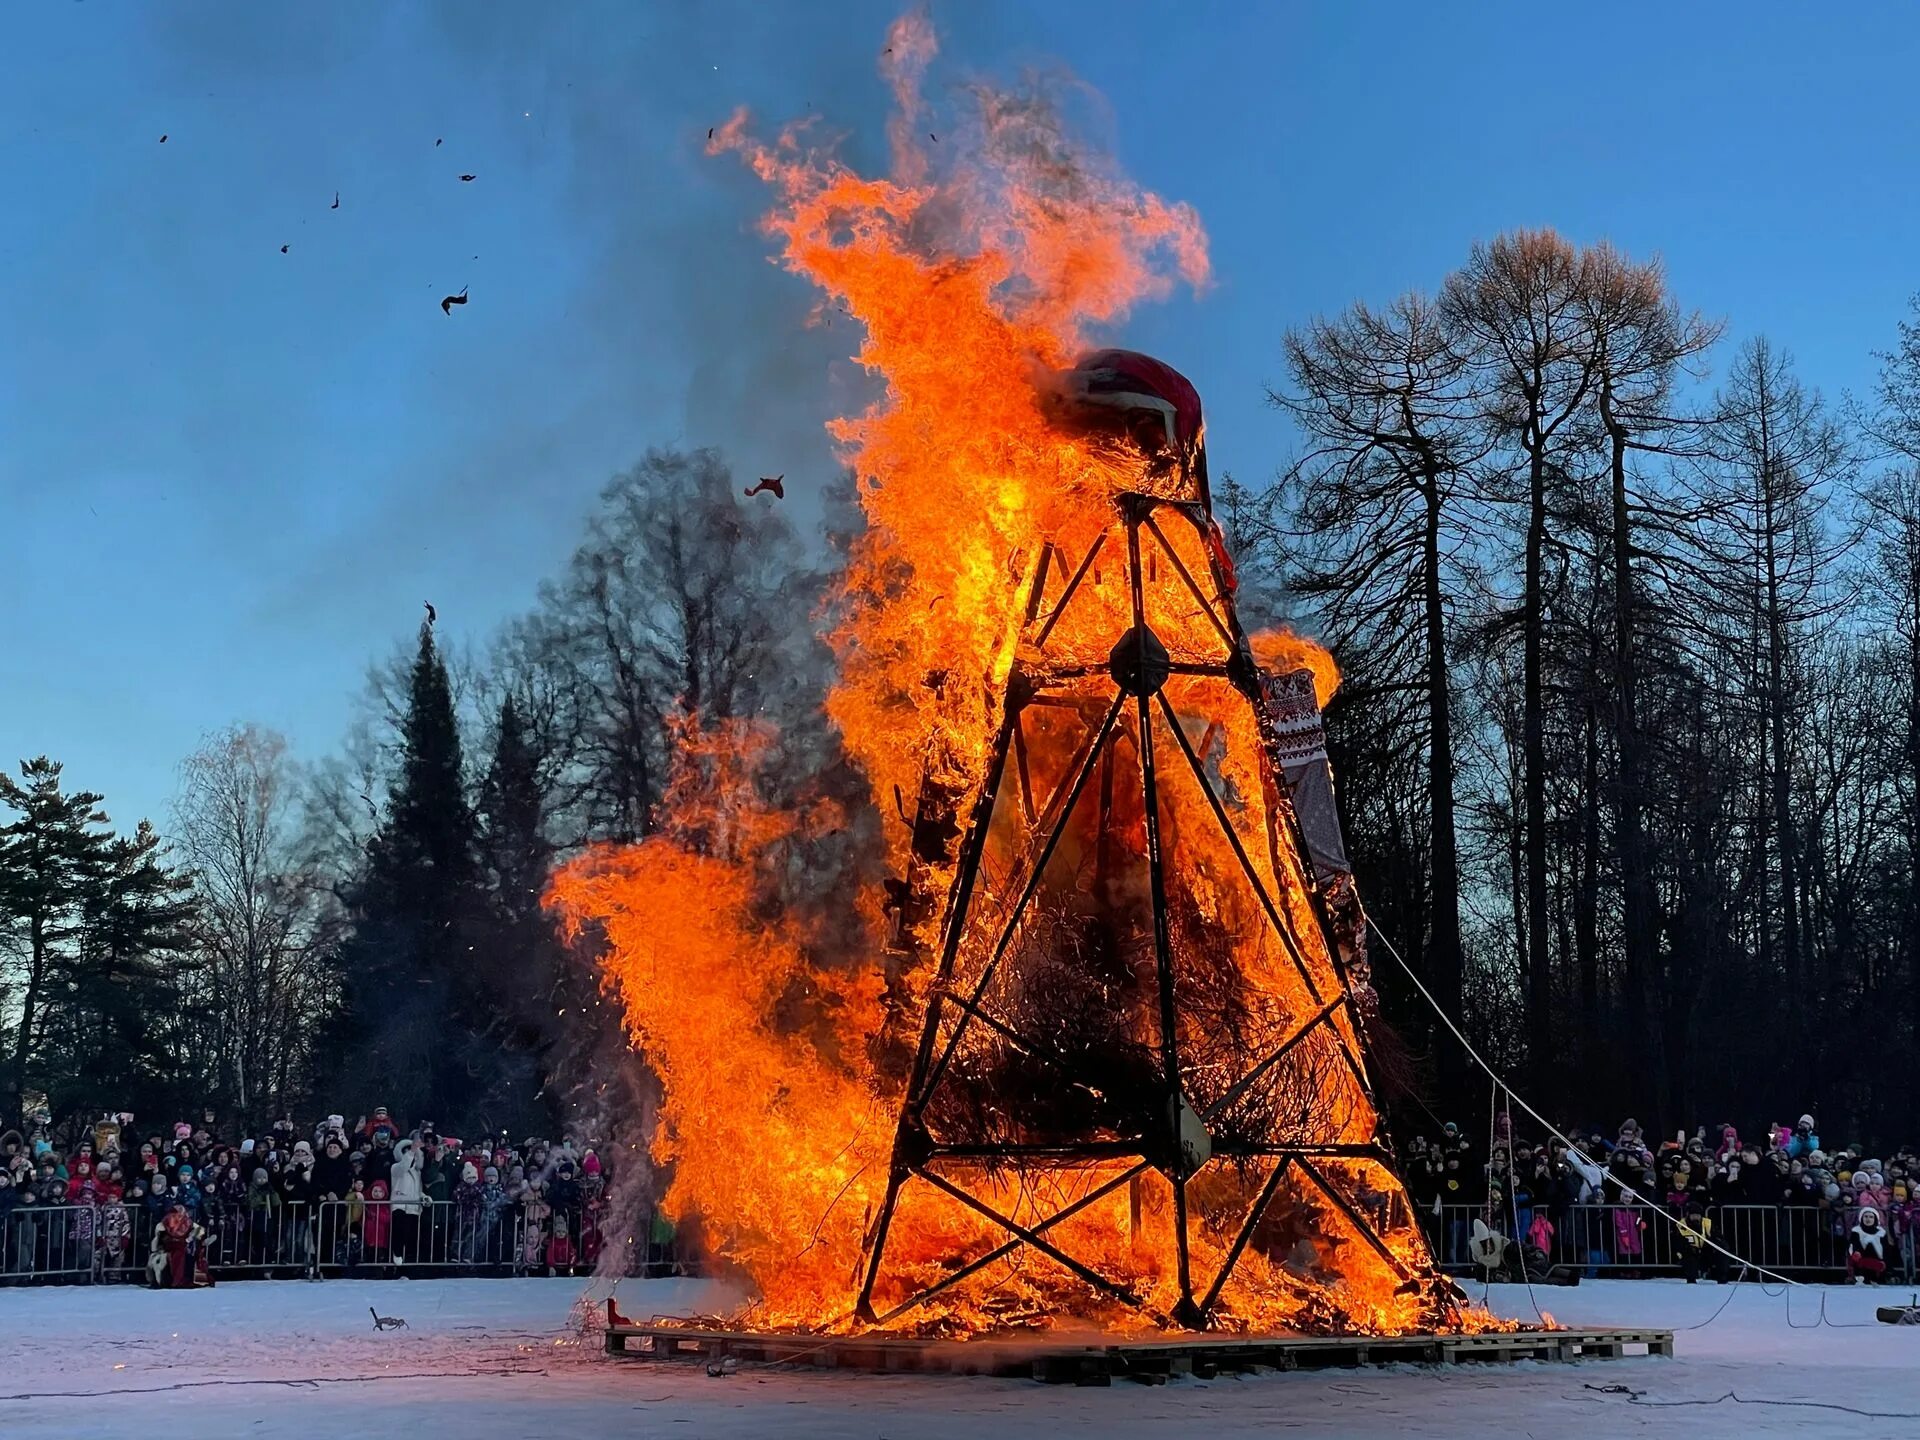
x=229 y=477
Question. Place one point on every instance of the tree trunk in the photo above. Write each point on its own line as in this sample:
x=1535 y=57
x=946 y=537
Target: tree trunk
x=1640 y=943
x=1534 y=740
x=1444 y=961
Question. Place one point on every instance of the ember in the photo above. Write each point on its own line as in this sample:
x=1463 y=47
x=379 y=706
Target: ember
x=1102 y=1061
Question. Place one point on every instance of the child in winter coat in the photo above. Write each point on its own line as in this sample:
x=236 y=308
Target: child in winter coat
x=466 y=1210
x=493 y=1205
x=1904 y=1221
x=1627 y=1227
x=1867 y=1249
x=560 y=1253
x=1695 y=1255
x=376 y=1233
x=534 y=1215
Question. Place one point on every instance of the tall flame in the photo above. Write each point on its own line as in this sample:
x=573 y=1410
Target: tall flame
x=985 y=259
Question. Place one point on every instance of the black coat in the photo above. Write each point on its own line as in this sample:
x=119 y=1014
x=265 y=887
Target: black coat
x=332 y=1175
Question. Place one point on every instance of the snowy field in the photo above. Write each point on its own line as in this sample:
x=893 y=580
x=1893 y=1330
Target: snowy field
x=487 y=1358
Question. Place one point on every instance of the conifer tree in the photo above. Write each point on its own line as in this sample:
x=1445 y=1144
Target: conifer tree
x=51 y=857
x=405 y=1025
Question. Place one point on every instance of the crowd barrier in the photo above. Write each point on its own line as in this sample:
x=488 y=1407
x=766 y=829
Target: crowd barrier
x=1800 y=1241
x=88 y=1244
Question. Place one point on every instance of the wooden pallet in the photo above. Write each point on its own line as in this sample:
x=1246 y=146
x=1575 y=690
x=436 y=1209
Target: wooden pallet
x=1099 y=1361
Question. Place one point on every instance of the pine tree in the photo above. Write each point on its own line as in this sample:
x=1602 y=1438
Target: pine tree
x=51 y=860
x=106 y=1046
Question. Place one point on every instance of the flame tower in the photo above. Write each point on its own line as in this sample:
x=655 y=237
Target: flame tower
x=1128 y=969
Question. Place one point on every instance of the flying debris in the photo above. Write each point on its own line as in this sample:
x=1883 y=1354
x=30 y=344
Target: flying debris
x=432 y=614
x=436 y=144
x=336 y=201
x=465 y=178
x=771 y=483
x=709 y=132
x=163 y=139
x=933 y=137
x=285 y=248
x=446 y=305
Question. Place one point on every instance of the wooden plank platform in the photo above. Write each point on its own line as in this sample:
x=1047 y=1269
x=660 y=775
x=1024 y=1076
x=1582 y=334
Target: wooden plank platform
x=1098 y=1361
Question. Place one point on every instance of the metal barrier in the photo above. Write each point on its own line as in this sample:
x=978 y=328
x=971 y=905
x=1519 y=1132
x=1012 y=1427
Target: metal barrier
x=49 y=1244
x=1801 y=1241
x=352 y=1236
x=82 y=1244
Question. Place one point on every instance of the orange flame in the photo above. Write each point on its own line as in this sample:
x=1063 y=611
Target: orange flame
x=982 y=261
x=1283 y=650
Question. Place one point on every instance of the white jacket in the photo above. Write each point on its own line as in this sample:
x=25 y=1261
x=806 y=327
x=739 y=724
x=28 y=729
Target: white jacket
x=406 y=1192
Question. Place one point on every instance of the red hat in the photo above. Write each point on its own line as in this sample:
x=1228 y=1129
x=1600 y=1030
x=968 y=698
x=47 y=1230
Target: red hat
x=591 y=1164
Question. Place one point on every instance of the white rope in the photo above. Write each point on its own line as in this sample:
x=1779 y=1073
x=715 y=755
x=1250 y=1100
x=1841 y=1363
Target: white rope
x=1513 y=1208
x=1625 y=1189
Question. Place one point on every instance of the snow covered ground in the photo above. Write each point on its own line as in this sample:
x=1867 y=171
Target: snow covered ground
x=487 y=1358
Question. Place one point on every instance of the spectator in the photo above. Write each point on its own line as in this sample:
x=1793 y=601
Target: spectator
x=377 y=1234
x=407 y=1197
x=466 y=1211
x=1803 y=1142
x=1696 y=1256
x=1867 y=1249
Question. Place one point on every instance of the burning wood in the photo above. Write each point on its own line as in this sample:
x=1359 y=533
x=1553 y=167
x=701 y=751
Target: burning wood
x=1106 y=1067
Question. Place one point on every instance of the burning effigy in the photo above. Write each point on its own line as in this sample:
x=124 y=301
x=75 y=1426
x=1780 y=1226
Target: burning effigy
x=1102 y=1058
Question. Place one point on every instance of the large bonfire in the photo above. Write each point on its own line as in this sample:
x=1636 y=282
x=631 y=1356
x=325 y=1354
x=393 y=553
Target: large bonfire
x=981 y=269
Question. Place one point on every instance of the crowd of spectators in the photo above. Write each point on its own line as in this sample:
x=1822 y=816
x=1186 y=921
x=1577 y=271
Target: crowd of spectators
x=1594 y=1204
x=169 y=1204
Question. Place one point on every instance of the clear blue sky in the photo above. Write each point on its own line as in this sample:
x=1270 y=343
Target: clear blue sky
x=228 y=477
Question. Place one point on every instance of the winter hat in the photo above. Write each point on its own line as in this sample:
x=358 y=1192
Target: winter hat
x=186 y=1173
x=493 y=1173
x=379 y=1112
x=591 y=1164
x=1900 y=1191
x=1832 y=1192
x=259 y=1176
x=378 y=1190
x=182 y=1131
x=1874 y=1166
x=1806 y=1122
x=1869 y=1214
x=469 y=1175
x=303 y=1151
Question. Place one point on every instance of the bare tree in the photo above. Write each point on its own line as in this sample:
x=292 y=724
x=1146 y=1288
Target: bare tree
x=1777 y=454
x=265 y=922
x=1520 y=311
x=682 y=600
x=1377 y=509
x=1641 y=343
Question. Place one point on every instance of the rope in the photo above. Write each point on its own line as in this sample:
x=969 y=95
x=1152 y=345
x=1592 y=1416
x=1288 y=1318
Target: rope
x=1626 y=1190
x=1513 y=1207
x=1638 y=1397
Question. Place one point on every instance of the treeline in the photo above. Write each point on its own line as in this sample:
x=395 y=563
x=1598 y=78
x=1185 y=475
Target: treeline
x=1629 y=742
x=369 y=929
x=1628 y=745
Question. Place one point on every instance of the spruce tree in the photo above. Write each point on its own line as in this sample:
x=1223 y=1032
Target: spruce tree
x=53 y=856
x=407 y=1022
x=516 y=951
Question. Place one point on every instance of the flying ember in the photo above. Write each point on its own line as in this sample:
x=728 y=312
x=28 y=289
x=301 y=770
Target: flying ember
x=1099 y=1057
